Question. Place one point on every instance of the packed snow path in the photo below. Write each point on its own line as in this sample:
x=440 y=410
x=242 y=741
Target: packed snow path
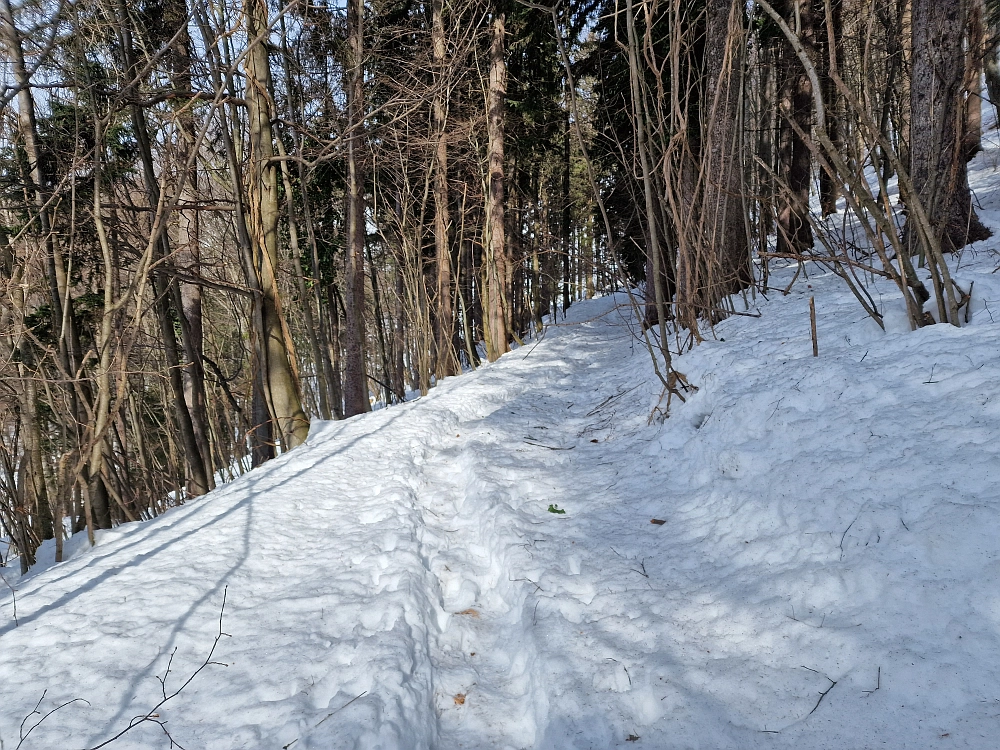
x=826 y=576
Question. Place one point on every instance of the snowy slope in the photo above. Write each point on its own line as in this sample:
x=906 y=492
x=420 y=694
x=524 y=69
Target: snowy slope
x=827 y=574
x=828 y=520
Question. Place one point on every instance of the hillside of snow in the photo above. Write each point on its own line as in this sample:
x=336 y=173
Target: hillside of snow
x=827 y=574
x=480 y=568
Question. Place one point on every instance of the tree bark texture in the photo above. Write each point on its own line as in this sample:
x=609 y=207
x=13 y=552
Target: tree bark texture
x=355 y=378
x=937 y=119
x=496 y=265
x=724 y=241
x=280 y=379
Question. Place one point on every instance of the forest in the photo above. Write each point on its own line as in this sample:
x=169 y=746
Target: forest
x=222 y=221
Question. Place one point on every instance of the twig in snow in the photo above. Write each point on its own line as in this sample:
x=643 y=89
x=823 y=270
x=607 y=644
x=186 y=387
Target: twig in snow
x=930 y=378
x=844 y=535
x=613 y=397
x=642 y=563
x=822 y=623
x=878 y=684
x=610 y=658
x=13 y=596
x=542 y=336
x=824 y=693
x=551 y=448
x=807 y=624
x=515 y=580
x=775 y=408
x=337 y=711
x=152 y=716
x=988 y=311
x=24 y=735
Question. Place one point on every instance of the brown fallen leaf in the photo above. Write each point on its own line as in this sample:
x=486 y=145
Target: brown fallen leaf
x=657 y=521
x=632 y=738
x=470 y=612
x=460 y=699
x=594 y=440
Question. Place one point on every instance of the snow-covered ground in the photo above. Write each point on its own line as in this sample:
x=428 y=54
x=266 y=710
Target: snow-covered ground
x=827 y=573
x=827 y=576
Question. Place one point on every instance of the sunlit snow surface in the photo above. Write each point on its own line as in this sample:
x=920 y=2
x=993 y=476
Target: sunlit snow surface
x=827 y=520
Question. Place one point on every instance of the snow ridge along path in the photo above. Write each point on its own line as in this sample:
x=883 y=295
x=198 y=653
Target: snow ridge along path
x=826 y=575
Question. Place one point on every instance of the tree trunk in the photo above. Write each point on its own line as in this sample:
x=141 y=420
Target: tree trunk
x=937 y=163
x=355 y=379
x=975 y=45
x=991 y=70
x=829 y=32
x=725 y=235
x=567 y=212
x=445 y=360
x=496 y=262
x=259 y=428
x=19 y=351
x=281 y=382
x=795 y=105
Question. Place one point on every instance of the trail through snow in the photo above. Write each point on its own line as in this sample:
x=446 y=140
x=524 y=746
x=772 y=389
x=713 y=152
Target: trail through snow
x=826 y=575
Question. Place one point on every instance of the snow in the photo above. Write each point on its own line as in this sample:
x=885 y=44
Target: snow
x=827 y=520
x=826 y=575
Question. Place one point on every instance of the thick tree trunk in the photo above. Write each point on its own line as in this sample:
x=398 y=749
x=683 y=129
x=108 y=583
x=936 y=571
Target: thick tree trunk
x=496 y=264
x=937 y=162
x=355 y=378
x=724 y=242
x=280 y=379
